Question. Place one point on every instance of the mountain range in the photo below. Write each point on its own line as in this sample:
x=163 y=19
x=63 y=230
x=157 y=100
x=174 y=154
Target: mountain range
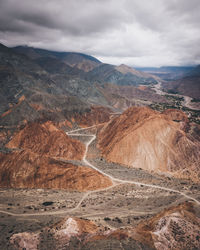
x=78 y=139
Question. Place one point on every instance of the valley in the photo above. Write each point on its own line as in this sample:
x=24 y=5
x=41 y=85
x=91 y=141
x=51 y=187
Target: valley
x=94 y=155
x=133 y=196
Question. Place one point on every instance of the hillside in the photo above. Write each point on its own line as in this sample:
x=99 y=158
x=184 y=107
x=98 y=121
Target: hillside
x=120 y=75
x=46 y=139
x=147 y=139
x=39 y=160
x=42 y=89
x=25 y=169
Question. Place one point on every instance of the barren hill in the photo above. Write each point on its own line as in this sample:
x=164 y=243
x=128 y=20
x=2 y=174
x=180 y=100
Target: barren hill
x=46 y=139
x=147 y=139
x=25 y=169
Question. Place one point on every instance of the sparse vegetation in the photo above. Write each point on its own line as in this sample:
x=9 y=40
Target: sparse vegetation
x=107 y=219
x=195 y=100
x=47 y=203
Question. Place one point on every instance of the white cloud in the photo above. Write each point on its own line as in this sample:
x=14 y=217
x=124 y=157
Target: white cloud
x=138 y=33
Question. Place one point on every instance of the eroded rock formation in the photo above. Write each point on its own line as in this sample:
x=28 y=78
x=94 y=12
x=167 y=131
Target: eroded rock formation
x=25 y=169
x=143 y=138
x=46 y=139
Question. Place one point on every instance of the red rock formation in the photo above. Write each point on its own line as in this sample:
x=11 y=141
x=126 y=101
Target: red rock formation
x=25 y=169
x=46 y=139
x=143 y=138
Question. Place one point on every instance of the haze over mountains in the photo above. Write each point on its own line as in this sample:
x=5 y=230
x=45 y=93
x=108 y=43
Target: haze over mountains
x=84 y=132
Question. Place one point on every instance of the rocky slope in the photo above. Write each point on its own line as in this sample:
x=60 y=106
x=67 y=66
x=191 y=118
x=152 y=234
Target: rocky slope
x=25 y=169
x=46 y=139
x=35 y=161
x=175 y=228
x=143 y=138
x=20 y=76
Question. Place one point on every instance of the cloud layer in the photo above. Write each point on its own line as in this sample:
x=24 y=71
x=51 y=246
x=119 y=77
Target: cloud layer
x=137 y=33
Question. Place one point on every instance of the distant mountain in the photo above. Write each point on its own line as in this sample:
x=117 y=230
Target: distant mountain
x=168 y=73
x=188 y=85
x=38 y=85
x=56 y=66
x=41 y=89
x=78 y=60
x=120 y=75
x=54 y=62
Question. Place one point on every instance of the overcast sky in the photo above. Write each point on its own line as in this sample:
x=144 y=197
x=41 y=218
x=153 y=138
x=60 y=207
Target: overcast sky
x=134 y=32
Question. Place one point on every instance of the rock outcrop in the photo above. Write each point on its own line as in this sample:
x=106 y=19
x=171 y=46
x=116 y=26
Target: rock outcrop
x=174 y=228
x=143 y=138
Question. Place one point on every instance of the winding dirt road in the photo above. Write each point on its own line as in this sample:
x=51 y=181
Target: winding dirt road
x=115 y=181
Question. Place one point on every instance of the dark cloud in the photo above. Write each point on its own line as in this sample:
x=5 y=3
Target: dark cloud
x=143 y=33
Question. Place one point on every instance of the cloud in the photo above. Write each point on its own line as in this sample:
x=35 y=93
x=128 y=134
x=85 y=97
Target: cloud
x=139 y=33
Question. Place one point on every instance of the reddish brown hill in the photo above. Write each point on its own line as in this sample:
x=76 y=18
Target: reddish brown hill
x=25 y=169
x=143 y=138
x=46 y=139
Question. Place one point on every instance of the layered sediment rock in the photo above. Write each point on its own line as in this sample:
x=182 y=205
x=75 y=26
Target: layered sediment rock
x=46 y=139
x=25 y=169
x=143 y=138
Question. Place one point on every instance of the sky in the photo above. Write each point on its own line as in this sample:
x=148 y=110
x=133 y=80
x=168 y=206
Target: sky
x=139 y=33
